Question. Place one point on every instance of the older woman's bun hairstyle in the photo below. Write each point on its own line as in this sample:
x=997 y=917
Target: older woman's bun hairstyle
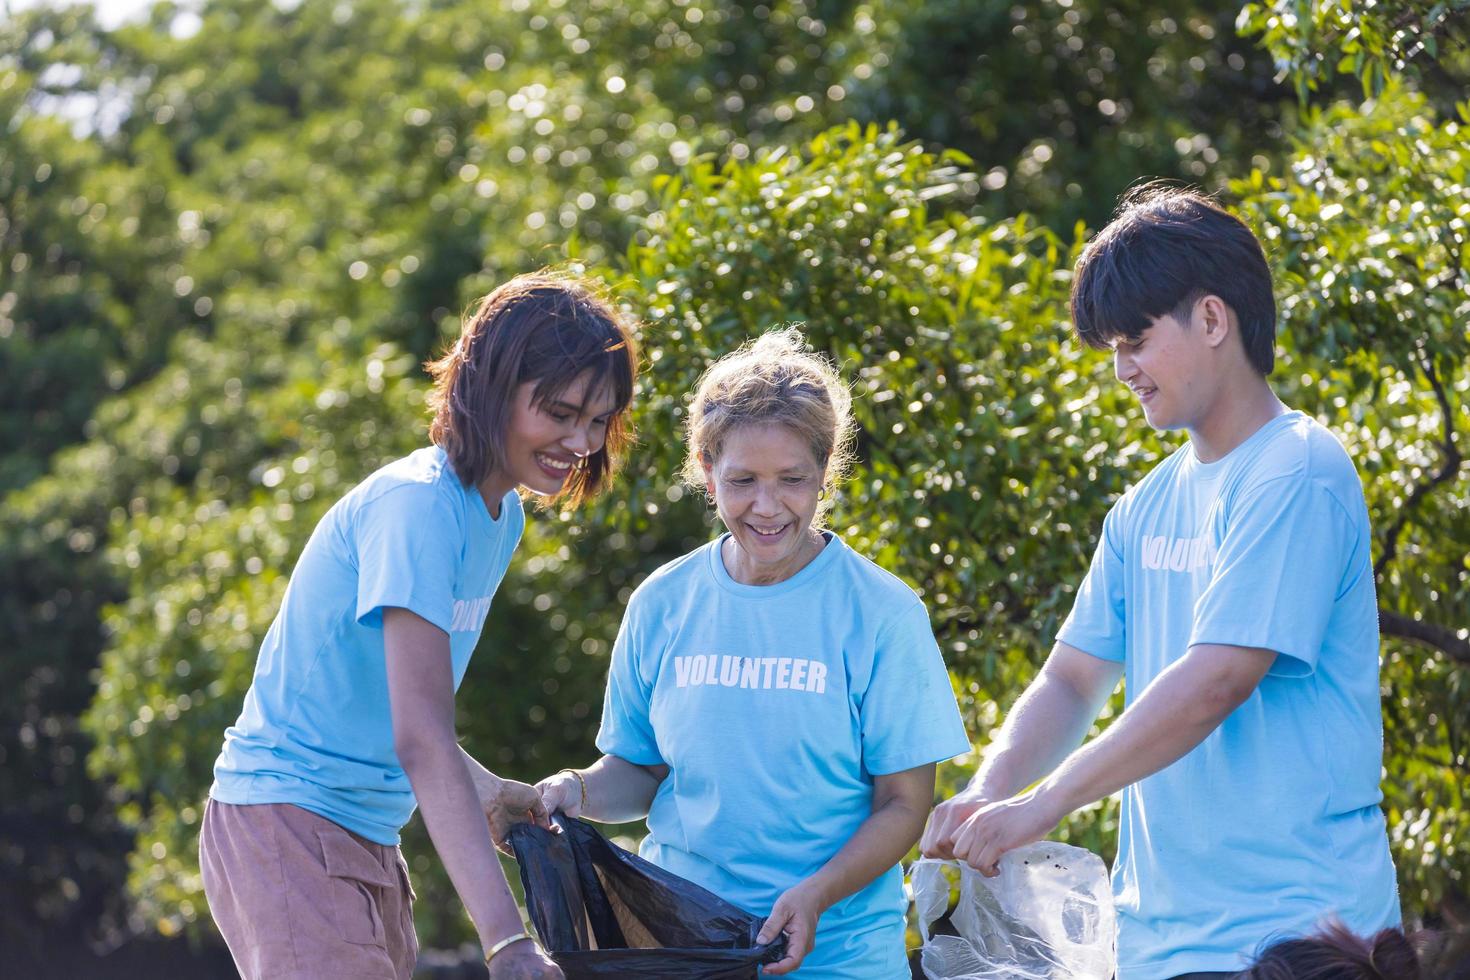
x=776 y=379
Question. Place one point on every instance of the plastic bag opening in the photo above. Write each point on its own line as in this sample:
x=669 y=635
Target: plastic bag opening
x=1048 y=915
x=601 y=911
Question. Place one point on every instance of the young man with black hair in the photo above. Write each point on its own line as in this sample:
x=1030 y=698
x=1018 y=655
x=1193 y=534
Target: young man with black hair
x=1232 y=588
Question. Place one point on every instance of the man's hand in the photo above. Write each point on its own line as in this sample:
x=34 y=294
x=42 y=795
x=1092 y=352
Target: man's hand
x=996 y=828
x=795 y=913
x=523 y=961
x=947 y=818
x=508 y=803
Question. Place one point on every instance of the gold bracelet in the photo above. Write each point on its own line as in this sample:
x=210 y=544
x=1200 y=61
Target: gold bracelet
x=507 y=941
x=580 y=782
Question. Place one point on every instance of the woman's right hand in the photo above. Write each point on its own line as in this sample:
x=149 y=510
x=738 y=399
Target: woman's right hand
x=561 y=793
x=523 y=961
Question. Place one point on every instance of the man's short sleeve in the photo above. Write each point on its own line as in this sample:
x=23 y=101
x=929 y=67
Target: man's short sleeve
x=408 y=548
x=1280 y=566
x=908 y=715
x=627 y=730
x=1097 y=622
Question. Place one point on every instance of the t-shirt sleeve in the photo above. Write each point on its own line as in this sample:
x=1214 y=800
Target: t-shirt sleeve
x=408 y=547
x=1097 y=622
x=1277 y=572
x=626 y=730
x=908 y=715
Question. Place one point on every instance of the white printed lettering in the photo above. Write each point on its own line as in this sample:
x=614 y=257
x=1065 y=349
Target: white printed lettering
x=798 y=674
x=469 y=614
x=750 y=672
x=1161 y=553
x=729 y=670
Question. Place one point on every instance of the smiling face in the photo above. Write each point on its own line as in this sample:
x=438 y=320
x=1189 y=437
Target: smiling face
x=766 y=483
x=544 y=442
x=1172 y=369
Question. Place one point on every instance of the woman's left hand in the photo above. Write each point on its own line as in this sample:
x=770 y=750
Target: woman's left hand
x=795 y=913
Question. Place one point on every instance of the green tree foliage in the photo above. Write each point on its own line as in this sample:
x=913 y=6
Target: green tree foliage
x=81 y=301
x=1315 y=40
x=287 y=189
x=228 y=282
x=1127 y=89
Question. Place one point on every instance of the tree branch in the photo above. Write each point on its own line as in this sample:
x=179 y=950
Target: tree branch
x=1451 y=467
x=1431 y=634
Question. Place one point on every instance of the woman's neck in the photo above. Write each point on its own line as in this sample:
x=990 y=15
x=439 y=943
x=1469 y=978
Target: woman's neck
x=493 y=490
x=746 y=572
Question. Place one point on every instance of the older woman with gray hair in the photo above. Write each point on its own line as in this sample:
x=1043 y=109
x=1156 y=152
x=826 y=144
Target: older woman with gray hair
x=776 y=702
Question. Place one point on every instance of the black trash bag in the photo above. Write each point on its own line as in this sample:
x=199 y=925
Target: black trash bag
x=603 y=912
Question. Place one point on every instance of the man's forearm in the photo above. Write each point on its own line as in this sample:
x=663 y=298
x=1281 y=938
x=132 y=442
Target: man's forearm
x=1173 y=715
x=1049 y=720
x=1046 y=723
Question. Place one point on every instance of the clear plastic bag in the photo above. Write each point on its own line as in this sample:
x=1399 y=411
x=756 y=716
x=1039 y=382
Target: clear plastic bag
x=1047 y=916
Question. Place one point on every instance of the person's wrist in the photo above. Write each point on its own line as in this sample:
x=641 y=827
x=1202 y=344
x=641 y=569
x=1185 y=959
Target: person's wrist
x=976 y=791
x=814 y=891
x=1052 y=798
x=505 y=944
x=487 y=784
x=580 y=790
x=989 y=785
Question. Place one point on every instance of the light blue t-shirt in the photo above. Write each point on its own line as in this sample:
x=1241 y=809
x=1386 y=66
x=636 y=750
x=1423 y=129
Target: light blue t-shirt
x=316 y=729
x=774 y=707
x=1272 y=823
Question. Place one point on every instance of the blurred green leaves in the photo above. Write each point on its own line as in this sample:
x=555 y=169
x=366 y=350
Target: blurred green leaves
x=1315 y=40
x=216 y=286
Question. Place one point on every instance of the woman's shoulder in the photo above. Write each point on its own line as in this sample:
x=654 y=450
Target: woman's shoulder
x=870 y=582
x=674 y=577
x=421 y=485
